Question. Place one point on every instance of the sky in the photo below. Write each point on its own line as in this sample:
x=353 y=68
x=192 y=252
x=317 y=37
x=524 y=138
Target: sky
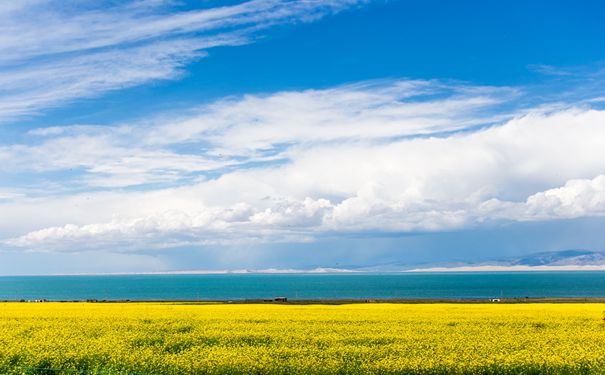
x=159 y=135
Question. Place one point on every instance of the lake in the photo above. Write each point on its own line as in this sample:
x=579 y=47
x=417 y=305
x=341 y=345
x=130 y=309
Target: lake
x=306 y=286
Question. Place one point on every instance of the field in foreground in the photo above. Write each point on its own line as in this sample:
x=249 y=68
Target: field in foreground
x=360 y=338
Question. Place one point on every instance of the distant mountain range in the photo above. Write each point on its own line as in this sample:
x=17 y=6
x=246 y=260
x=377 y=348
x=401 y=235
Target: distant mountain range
x=552 y=260
x=543 y=261
x=561 y=258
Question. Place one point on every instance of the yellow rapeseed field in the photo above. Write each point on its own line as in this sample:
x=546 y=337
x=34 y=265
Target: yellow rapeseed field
x=165 y=338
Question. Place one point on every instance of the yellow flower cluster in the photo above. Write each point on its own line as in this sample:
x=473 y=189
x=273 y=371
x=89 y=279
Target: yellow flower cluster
x=164 y=338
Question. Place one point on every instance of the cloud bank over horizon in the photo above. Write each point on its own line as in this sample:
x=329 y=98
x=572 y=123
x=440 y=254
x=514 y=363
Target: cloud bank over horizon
x=378 y=156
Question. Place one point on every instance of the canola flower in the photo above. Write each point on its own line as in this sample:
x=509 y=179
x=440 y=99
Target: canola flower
x=165 y=338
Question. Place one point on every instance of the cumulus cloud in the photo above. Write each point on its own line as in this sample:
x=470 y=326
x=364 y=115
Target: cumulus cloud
x=577 y=198
x=240 y=222
x=51 y=54
x=297 y=221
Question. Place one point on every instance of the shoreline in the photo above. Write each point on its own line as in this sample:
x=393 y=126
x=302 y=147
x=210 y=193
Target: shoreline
x=335 y=301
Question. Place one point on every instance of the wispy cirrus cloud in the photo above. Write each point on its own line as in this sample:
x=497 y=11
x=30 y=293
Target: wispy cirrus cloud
x=52 y=53
x=85 y=25
x=372 y=110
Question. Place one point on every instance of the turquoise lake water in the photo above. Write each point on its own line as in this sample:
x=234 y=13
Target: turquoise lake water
x=305 y=286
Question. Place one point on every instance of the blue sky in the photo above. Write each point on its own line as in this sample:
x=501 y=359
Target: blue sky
x=156 y=135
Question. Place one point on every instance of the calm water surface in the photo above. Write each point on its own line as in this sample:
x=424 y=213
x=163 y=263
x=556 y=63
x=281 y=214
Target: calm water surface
x=305 y=286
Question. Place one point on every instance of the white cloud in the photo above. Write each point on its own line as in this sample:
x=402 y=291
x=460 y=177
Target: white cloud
x=85 y=25
x=51 y=53
x=9 y=194
x=370 y=111
x=107 y=159
x=30 y=88
x=536 y=166
x=577 y=198
x=254 y=129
